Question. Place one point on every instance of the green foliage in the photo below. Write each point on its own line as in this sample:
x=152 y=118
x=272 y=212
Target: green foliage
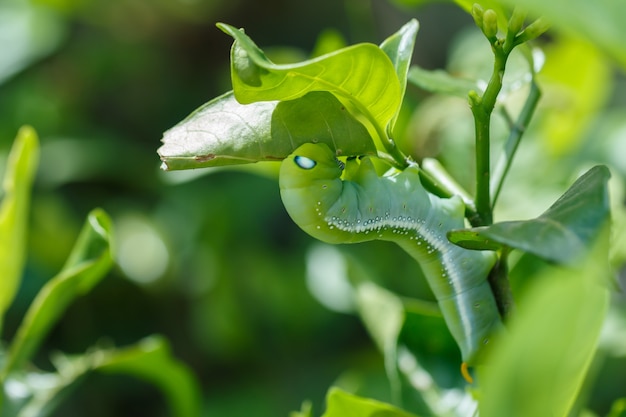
x=361 y=78
x=28 y=33
x=343 y=404
x=562 y=234
x=271 y=132
x=87 y=264
x=17 y=182
x=213 y=262
x=343 y=73
x=599 y=22
x=26 y=392
x=311 y=107
x=539 y=366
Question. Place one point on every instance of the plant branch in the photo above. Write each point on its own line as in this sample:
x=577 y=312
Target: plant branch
x=501 y=286
x=517 y=131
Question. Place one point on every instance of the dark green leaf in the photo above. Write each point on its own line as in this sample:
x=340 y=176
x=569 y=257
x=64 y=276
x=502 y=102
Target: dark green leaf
x=439 y=81
x=225 y=132
x=14 y=213
x=399 y=48
x=562 y=234
x=361 y=76
x=89 y=261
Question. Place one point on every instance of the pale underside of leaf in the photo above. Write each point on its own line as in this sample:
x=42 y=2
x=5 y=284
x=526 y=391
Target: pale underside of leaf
x=226 y=132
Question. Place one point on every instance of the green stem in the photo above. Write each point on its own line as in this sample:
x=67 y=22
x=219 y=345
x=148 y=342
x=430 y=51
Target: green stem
x=501 y=286
x=517 y=131
x=482 y=108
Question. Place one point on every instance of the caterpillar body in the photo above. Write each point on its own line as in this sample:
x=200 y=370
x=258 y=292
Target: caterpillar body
x=364 y=206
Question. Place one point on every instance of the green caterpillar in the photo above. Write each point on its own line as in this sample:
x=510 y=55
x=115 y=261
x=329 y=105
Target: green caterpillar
x=395 y=207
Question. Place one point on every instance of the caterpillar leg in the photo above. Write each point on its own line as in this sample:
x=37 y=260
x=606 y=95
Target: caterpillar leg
x=465 y=373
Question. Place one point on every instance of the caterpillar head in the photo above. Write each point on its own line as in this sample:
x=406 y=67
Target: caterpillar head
x=308 y=163
x=309 y=184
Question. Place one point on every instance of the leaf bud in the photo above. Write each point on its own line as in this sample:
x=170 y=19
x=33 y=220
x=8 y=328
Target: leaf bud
x=534 y=30
x=490 y=23
x=516 y=21
x=477 y=14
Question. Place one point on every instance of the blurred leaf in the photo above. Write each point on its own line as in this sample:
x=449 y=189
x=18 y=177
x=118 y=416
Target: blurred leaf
x=618 y=409
x=541 y=362
x=601 y=22
x=27 y=33
x=382 y=313
x=439 y=81
x=14 y=213
x=151 y=360
x=561 y=234
x=328 y=41
x=305 y=411
x=342 y=404
x=399 y=48
x=37 y=394
x=577 y=81
x=224 y=132
x=465 y=4
x=89 y=261
x=361 y=76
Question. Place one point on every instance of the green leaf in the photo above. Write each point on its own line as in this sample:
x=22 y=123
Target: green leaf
x=540 y=363
x=27 y=33
x=89 y=261
x=600 y=22
x=362 y=76
x=579 y=82
x=14 y=212
x=152 y=360
x=305 y=411
x=225 y=132
x=618 y=409
x=440 y=82
x=562 y=234
x=399 y=48
x=342 y=404
x=382 y=313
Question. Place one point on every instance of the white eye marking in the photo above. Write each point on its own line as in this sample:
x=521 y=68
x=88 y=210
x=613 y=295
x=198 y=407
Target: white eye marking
x=304 y=162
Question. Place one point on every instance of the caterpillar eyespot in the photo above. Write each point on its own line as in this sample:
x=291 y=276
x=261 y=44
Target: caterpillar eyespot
x=304 y=162
x=395 y=207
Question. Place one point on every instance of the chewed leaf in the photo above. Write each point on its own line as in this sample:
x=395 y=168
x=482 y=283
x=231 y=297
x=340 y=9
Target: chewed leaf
x=225 y=132
x=561 y=234
x=361 y=76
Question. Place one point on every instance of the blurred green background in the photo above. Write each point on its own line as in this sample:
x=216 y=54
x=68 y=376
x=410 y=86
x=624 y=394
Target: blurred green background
x=213 y=262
